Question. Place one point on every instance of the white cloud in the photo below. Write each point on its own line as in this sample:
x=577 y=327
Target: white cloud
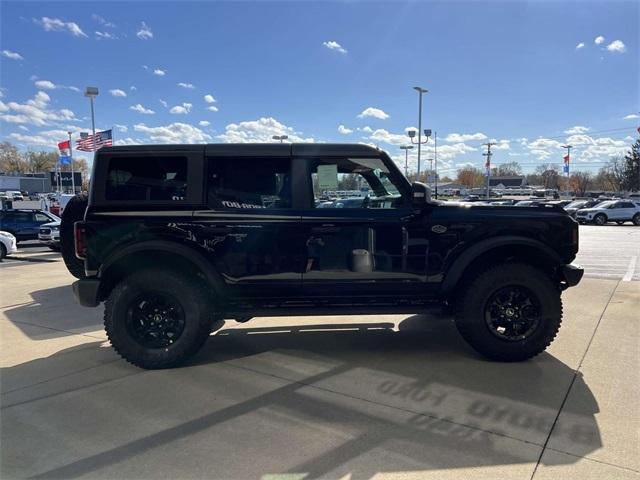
x=140 y=109
x=57 y=25
x=366 y=129
x=127 y=141
x=580 y=45
x=204 y=123
x=181 y=109
x=373 y=112
x=45 y=85
x=145 y=32
x=22 y=127
x=189 y=86
x=333 y=45
x=599 y=40
x=344 y=130
x=105 y=35
x=48 y=138
x=465 y=137
x=102 y=21
x=578 y=129
x=159 y=72
x=49 y=85
x=116 y=92
x=209 y=98
x=259 y=131
x=133 y=88
x=631 y=116
x=382 y=135
x=447 y=152
x=164 y=103
x=12 y=55
x=212 y=108
x=174 y=133
x=35 y=111
x=120 y=128
x=617 y=47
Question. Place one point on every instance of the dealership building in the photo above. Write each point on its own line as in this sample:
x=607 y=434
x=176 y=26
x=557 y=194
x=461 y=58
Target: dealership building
x=39 y=182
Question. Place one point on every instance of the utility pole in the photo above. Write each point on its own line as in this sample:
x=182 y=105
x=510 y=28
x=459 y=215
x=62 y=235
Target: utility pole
x=567 y=159
x=420 y=91
x=435 y=158
x=488 y=162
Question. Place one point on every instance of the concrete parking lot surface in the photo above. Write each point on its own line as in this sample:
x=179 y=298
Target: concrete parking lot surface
x=317 y=397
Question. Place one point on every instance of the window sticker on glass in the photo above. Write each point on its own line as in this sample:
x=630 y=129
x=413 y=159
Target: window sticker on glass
x=327 y=177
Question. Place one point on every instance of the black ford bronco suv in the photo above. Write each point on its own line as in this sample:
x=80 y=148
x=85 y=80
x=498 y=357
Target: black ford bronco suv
x=176 y=238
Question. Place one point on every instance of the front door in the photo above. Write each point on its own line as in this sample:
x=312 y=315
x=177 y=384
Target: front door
x=362 y=236
x=251 y=229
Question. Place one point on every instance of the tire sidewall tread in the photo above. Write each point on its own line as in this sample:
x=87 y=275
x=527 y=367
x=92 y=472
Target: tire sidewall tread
x=469 y=312
x=194 y=301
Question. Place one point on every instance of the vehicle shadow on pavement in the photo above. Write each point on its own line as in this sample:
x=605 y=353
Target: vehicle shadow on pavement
x=314 y=400
x=56 y=310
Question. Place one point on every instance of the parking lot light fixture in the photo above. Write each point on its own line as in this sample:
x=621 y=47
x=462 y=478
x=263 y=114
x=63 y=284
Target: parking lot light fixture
x=282 y=138
x=92 y=92
x=420 y=91
x=406 y=149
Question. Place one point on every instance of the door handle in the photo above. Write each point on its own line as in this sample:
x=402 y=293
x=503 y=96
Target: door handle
x=325 y=229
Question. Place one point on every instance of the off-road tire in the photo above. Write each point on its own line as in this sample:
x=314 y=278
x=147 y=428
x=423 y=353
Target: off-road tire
x=600 y=219
x=636 y=219
x=471 y=303
x=73 y=212
x=194 y=300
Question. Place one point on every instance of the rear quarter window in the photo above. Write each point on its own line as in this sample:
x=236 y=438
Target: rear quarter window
x=147 y=178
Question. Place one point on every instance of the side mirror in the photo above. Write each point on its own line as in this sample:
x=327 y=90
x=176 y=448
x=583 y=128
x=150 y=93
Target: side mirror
x=421 y=193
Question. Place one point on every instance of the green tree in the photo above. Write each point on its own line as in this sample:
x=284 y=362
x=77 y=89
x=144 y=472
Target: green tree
x=631 y=169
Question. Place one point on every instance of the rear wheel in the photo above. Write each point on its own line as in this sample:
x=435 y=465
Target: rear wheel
x=600 y=219
x=510 y=312
x=636 y=219
x=73 y=212
x=3 y=251
x=158 y=319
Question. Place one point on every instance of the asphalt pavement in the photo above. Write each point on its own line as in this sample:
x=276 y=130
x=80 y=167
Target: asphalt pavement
x=352 y=397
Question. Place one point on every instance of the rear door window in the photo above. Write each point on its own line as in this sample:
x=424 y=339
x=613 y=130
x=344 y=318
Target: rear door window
x=147 y=178
x=249 y=183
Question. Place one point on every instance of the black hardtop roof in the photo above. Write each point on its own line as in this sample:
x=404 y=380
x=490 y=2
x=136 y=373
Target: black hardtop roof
x=252 y=149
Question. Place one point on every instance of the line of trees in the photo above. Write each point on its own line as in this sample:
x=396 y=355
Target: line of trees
x=14 y=161
x=621 y=173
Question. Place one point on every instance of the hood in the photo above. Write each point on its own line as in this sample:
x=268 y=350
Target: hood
x=51 y=224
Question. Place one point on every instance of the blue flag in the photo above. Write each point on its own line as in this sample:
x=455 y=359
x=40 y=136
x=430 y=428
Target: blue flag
x=65 y=160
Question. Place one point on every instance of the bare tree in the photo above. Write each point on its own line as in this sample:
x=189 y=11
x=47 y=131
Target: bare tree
x=579 y=182
x=549 y=174
x=10 y=159
x=42 y=161
x=510 y=169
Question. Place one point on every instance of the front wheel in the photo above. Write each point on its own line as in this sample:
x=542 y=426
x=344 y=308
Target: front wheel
x=157 y=318
x=600 y=219
x=510 y=312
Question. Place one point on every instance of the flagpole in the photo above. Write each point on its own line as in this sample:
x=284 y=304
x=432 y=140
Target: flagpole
x=73 y=180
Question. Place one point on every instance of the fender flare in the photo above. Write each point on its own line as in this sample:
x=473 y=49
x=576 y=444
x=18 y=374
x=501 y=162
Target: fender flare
x=165 y=246
x=456 y=270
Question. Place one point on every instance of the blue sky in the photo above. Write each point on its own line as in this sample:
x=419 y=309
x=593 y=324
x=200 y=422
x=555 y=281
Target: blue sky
x=510 y=71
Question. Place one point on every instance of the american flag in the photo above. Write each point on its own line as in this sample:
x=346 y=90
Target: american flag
x=91 y=143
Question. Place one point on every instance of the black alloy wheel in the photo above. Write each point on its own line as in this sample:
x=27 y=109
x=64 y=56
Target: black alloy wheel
x=512 y=313
x=155 y=319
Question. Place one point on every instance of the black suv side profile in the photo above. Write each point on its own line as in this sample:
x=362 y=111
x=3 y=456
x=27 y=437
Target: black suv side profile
x=176 y=238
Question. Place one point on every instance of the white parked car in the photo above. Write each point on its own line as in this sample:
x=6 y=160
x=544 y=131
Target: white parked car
x=7 y=244
x=618 y=211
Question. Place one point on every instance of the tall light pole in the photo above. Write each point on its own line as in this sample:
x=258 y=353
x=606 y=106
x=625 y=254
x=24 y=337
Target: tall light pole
x=282 y=138
x=567 y=159
x=435 y=158
x=406 y=149
x=420 y=91
x=73 y=180
x=92 y=92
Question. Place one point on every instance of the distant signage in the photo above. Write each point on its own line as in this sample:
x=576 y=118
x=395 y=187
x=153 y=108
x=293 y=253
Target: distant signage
x=65 y=179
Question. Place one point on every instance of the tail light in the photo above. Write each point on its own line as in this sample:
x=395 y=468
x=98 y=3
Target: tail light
x=80 y=240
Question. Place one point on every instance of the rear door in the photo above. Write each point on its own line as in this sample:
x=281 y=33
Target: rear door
x=627 y=209
x=251 y=223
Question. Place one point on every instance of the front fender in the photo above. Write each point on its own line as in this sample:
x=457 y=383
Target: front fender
x=457 y=267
